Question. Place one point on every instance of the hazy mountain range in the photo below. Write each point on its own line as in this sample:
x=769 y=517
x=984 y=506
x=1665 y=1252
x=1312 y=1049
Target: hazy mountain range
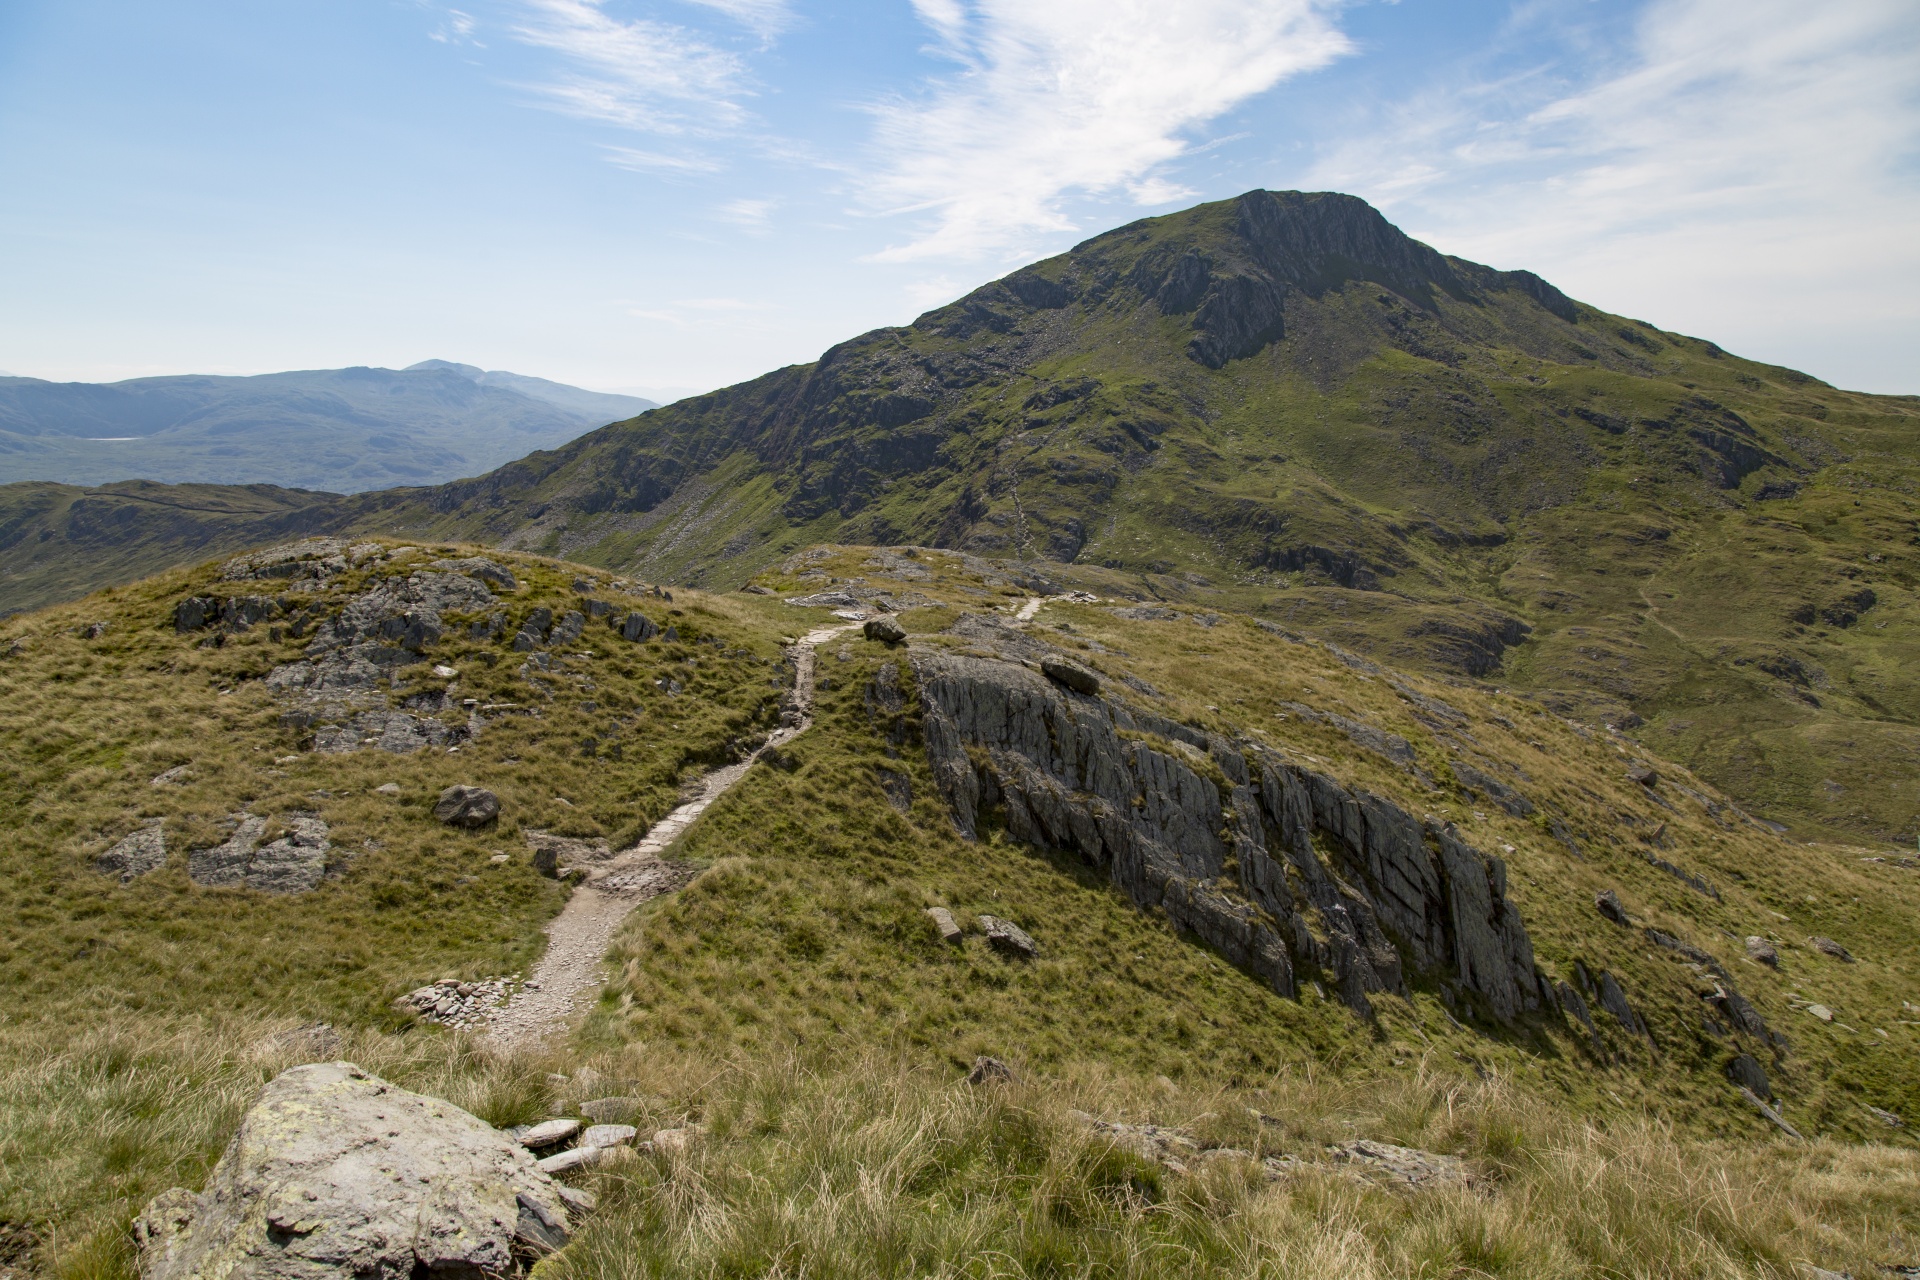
x=338 y=430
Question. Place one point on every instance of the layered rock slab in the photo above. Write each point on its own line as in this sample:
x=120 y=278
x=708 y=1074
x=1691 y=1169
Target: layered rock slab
x=335 y=1172
x=1280 y=868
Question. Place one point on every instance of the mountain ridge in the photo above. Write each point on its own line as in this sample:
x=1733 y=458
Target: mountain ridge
x=326 y=429
x=1282 y=404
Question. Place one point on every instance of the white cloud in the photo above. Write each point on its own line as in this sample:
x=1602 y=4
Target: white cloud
x=639 y=74
x=660 y=162
x=751 y=215
x=457 y=29
x=1061 y=96
x=1747 y=174
x=765 y=18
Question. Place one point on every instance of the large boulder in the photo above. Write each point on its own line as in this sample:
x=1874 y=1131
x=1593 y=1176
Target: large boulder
x=462 y=806
x=335 y=1172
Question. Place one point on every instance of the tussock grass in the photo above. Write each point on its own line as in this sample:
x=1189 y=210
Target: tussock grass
x=878 y=1168
x=850 y=1162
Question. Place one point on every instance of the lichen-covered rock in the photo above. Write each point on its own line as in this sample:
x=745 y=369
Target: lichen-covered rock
x=1274 y=865
x=335 y=1172
x=295 y=863
x=463 y=806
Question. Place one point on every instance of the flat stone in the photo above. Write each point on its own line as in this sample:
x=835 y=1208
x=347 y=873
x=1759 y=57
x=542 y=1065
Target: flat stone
x=387 y=789
x=572 y=1158
x=948 y=927
x=608 y=1135
x=1821 y=1012
x=549 y=1133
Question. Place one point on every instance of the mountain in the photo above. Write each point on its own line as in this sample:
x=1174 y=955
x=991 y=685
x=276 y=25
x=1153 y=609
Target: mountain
x=599 y=405
x=1282 y=405
x=327 y=429
x=1074 y=930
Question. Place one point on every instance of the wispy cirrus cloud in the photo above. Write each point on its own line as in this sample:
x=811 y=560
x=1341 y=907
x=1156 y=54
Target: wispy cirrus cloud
x=637 y=73
x=1066 y=96
x=1730 y=142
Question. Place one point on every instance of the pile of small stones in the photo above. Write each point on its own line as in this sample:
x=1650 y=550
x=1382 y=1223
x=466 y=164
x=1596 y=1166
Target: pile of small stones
x=453 y=1003
x=564 y=1144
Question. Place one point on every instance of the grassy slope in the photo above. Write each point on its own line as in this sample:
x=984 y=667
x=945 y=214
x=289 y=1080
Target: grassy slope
x=1486 y=461
x=796 y=1002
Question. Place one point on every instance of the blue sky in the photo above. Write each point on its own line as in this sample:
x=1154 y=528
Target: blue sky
x=678 y=194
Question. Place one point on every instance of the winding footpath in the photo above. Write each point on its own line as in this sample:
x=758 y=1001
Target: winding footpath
x=568 y=976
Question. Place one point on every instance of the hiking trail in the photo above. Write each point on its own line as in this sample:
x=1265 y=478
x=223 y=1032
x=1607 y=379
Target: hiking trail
x=568 y=975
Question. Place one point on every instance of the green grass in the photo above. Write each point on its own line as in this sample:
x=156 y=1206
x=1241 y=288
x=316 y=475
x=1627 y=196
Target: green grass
x=796 y=1002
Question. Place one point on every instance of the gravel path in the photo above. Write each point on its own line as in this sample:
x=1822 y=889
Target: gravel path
x=567 y=978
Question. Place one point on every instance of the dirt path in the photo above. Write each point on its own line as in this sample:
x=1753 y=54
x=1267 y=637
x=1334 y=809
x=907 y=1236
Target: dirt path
x=568 y=975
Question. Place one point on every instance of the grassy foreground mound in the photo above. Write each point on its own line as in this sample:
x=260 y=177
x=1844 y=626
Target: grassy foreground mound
x=797 y=1002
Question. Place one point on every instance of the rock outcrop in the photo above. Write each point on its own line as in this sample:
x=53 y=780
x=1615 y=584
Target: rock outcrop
x=295 y=863
x=1280 y=868
x=134 y=855
x=335 y=1172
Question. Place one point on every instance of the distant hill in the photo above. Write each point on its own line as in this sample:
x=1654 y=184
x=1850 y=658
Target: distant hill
x=343 y=430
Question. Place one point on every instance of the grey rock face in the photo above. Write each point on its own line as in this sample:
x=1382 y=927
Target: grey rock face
x=825 y=600
x=1343 y=882
x=483 y=569
x=335 y=1172
x=1493 y=789
x=1608 y=904
x=400 y=732
x=463 y=806
x=136 y=854
x=337 y=687
x=884 y=630
x=572 y=625
x=1747 y=1072
x=637 y=627
x=227 y=863
x=294 y=863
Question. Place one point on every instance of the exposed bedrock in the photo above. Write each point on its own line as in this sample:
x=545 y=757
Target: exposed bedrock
x=1283 y=870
